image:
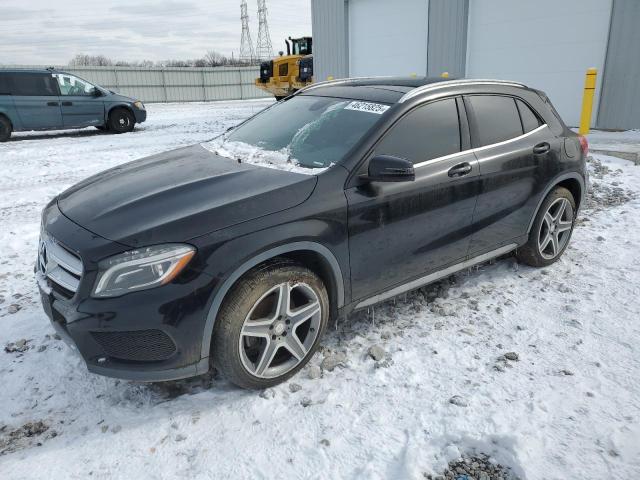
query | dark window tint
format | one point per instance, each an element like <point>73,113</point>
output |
<point>33,84</point>
<point>529,119</point>
<point>5,86</point>
<point>427,132</point>
<point>496,119</point>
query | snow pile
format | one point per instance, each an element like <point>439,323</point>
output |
<point>533,369</point>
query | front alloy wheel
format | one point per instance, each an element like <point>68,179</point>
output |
<point>280,330</point>
<point>270,324</point>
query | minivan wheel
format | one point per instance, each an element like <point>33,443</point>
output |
<point>270,325</point>
<point>551,230</point>
<point>121,120</point>
<point>5,129</point>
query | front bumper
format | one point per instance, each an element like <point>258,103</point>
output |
<point>150,335</point>
<point>141,115</point>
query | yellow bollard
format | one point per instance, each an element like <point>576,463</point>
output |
<point>445,75</point>
<point>587,100</point>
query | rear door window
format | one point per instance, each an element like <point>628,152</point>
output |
<point>530,120</point>
<point>34,85</point>
<point>427,132</point>
<point>496,119</point>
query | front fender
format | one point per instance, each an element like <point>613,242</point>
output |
<point>259,258</point>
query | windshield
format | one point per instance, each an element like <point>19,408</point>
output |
<point>303,133</point>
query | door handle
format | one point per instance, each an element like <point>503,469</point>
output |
<point>67,104</point>
<point>52,104</point>
<point>460,170</point>
<point>541,148</point>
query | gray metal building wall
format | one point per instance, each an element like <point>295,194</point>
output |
<point>447,37</point>
<point>173,84</point>
<point>620,97</point>
<point>329,20</point>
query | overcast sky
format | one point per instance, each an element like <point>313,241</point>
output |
<point>49,32</point>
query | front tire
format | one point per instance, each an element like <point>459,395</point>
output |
<point>551,230</point>
<point>270,325</point>
<point>5,129</point>
<point>121,120</point>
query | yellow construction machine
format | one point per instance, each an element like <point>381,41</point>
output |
<point>285,74</point>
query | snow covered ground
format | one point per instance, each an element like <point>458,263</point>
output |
<point>565,406</point>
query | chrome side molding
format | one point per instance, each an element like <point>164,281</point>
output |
<point>432,277</point>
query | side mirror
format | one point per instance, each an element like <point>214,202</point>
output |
<point>386,168</point>
<point>95,92</point>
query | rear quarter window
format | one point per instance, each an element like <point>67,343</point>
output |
<point>530,120</point>
<point>495,119</point>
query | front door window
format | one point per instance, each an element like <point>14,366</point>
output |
<point>70,85</point>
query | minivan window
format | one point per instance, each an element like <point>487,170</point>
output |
<point>33,85</point>
<point>427,132</point>
<point>530,120</point>
<point>5,88</point>
<point>71,85</point>
<point>496,119</point>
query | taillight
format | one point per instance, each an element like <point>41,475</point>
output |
<point>584,144</point>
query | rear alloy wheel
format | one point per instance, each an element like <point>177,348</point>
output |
<point>551,230</point>
<point>5,129</point>
<point>270,325</point>
<point>121,120</point>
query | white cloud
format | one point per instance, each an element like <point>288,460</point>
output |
<point>45,32</point>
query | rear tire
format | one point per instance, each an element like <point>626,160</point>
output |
<point>551,230</point>
<point>5,129</point>
<point>121,120</point>
<point>270,324</point>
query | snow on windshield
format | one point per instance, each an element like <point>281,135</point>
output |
<point>253,155</point>
<point>283,159</point>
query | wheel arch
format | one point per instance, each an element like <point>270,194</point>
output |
<point>5,115</point>
<point>315,256</point>
<point>116,106</point>
<point>573,182</point>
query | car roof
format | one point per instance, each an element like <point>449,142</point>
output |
<point>390,89</point>
<point>29,70</point>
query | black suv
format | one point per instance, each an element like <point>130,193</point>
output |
<point>236,253</point>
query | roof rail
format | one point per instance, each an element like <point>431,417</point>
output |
<point>452,83</point>
<point>338,81</point>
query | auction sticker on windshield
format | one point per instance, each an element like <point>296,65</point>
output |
<point>369,107</point>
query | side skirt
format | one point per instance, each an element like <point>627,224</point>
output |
<point>432,277</point>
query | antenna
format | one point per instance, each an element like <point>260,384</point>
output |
<point>246,45</point>
<point>264,49</point>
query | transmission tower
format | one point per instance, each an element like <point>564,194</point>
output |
<point>246,45</point>
<point>264,49</point>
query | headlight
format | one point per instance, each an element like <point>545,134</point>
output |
<point>141,269</point>
<point>139,105</point>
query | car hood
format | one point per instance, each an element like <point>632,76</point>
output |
<point>178,195</point>
<point>116,97</point>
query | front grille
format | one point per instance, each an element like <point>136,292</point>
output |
<point>60,265</point>
<point>140,345</point>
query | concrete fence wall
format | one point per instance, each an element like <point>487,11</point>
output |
<point>171,84</point>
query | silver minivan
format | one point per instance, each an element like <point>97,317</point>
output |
<point>56,100</point>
